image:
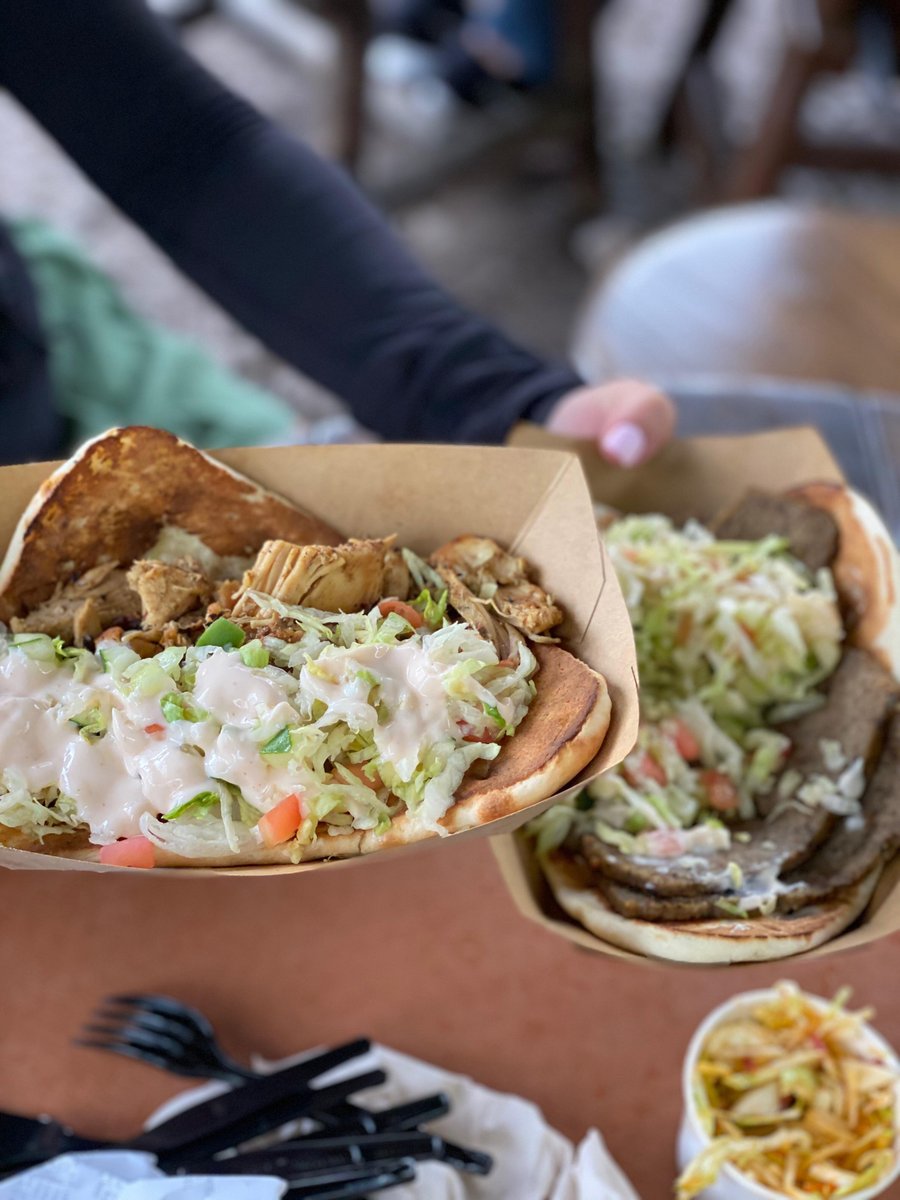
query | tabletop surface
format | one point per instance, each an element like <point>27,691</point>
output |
<point>423,951</point>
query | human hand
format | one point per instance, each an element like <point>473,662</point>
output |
<point>628,419</point>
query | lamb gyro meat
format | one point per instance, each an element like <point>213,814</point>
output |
<point>860,697</point>
<point>858,843</point>
<point>811,532</point>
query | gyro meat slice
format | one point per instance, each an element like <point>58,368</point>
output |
<point>500,580</point>
<point>345,578</point>
<point>82,608</point>
<point>811,532</point>
<point>168,590</point>
<point>861,695</point>
<point>855,846</point>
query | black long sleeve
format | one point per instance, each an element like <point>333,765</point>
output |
<point>276,235</point>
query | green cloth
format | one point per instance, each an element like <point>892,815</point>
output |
<point>110,367</point>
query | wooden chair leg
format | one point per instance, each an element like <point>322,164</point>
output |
<point>354,27</point>
<point>576,88</point>
<point>717,12</point>
<point>756,169</point>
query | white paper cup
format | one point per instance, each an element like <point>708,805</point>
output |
<point>733,1184</point>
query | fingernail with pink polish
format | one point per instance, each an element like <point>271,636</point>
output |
<point>625,444</point>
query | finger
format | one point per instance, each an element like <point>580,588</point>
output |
<point>630,420</point>
<point>639,420</point>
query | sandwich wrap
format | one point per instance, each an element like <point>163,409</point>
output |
<point>137,506</point>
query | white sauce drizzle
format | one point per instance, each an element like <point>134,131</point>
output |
<point>137,768</point>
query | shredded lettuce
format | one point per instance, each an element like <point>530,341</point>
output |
<point>198,803</point>
<point>91,723</point>
<point>178,706</point>
<point>279,744</point>
<point>732,637</point>
<point>323,718</point>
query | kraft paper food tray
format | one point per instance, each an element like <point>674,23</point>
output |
<point>535,502</point>
<point>693,477</point>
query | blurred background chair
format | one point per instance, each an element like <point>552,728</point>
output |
<point>822,37</point>
<point>762,289</point>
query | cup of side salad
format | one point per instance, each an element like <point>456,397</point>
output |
<point>788,1095</point>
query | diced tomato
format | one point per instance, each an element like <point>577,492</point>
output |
<point>469,735</point>
<point>280,823</point>
<point>360,774</point>
<point>664,843</point>
<point>646,767</point>
<point>403,609</point>
<point>683,738</point>
<point>721,794</point>
<point>129,852</point>
<point>154,728</point>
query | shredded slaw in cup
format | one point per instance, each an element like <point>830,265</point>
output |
<point>817,1070</point>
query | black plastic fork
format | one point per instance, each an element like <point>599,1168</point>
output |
<point>173,1036</point>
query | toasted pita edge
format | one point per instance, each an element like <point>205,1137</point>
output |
<point>78,516</point>
<point>562,732</point>
<point>866,571</point>
<point>707,943</point>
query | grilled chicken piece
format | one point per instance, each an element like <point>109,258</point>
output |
<point>84,607</point>
<point>344,578</point>
<point>499,579</point>
<point>476,613</point>
<point>397,581</point>
<point>168,590</point>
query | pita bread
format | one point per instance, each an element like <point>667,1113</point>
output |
<point>866,571</point>
<point>109,503</point>
<point>111,500</point>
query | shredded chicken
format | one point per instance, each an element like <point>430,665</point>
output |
<point>83,608</point>
<point>499,580</point>
<point>343,578</point>
<point>476,613</point>
<point>168,590</point>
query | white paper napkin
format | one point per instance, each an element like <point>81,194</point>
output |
<point>532,1161</point>
<point>127,1175</point>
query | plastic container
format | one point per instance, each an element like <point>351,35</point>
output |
<point>733,1184</point>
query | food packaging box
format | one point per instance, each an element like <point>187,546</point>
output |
<point>693,477</point>
<point>534,502</point>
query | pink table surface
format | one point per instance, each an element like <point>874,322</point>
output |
<point>424,952</point>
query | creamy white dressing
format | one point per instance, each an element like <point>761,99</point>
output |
<point>236,694</point>
<point>48,751</point>
<point>262,783</point>
<point>143,766</point>
<point>411,689</point>
<point>112,780</point>
<point>23,676</point>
